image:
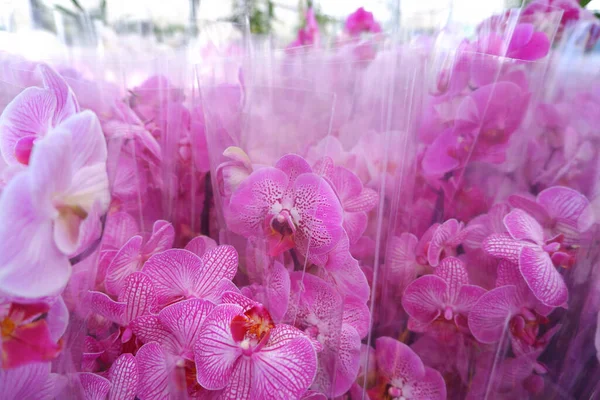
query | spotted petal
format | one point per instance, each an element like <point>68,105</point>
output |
<point>397,361</point>
<point>454,273</point>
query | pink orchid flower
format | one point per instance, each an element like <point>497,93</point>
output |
<point>444,241</point>
<point>98,354</point>
<point>178,274</point>
<point>403,374</point>
<point>355,200</point>
<point>526,246</point>
<point>138,297</point>
<point>336,323</point>
<point>57,203</point>
<point>523,43</point>
<point>557,209</point>
<point>361,21</point>
<point>309,34</point>
<point>132,256</point>
<point>407,256</point>
<point>442,300</point>
<point>510,307</point>
<point>169,339</point>
<point>123,382</point>
<point>262,361</point>
<point>289,206</point>
<point>33,114</point>
<point>485,121</point>
<point>31,382</point>
<point>30,333</point>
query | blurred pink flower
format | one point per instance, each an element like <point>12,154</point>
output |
<point>361,21</point>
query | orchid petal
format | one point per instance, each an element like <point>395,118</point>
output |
<point>503,246</point>
<point>139,295</point>
<point>95,387</point>
<point>89,144</point>
<point>126,261</point>
<point>123,375</point>
<point>24,382</point>
<point>424,298</point>
<point>397,361</point>
<point>103,305</point>
<point>200,244</point>
<point>442,237</point>
<point>521,225</point>
<point>346,272</point>
<point>161,239</point>
<point>489,317</point>
<point>542,277</point>
<point>219,263</point>
<point>66,103</point>
<point>154,373</point>
<point>453,272</point>
<point>355,224</point>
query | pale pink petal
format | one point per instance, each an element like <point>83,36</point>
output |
<point>293,165</point>
<point>112,310</point>
<point>320,215</point>
<point>431,386</point>
<point>58,319</point>
<point>346,273</point>
<point>216,352</point>
<point>218,263</point>
<point>23,382</point>
<point>123,375</point>
<point>489,317</point>
<point>174,274</point>
<point>453,271</point>
<point>542,277</point>
<point>401,258</point>
<point>32,265</point>
<point>347,185</point>
<point>278,291</point>
<point>365,202</point>
<point>154,373</point>
<point>424,298</point>
<point>437,159</point>
<point>119,228</point>
<point>184,319</point>
<point>66,103</point>
<point>563,202</point>
<point>126,261</point>
<point>442,237</point>
<point>521,225</point>
<point>200,244</point>
<point>503,246</point>
<point>357,315</point>
<point>28,114</point>
<point>162,237</point>
<point>284,368</point>
<point>396,360</point>
<point>148,328</point>
<point>530,206</point>
<point>89,144</point>
<point>94,386</point>
<point>139,295</point>
<point>252,201</point>
<point>346,363</point>
<point>355,224</point>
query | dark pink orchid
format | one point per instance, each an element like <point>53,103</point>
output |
<point>30,333</point>
<point>169,339</point>
<point>265,363</point>
<point>122,383</point>
<point>30,382</point>
<point>337,323</point>
<point>178,274</point>
<point>132,256</point>
<point>138,297</point>
<point>510,308</point>
<point>56,203</point>
<point>522,42</point>
<point>309,34</point>
<point>557,209</point>
<point>484,123</point>
<point>442,300</point>
<point>361,21</point>
<point>403,375</point>
<point>33,114</point>
<point>289,206</point>
<point>526,245</point>
<point>356,200</point>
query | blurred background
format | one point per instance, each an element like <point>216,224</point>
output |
<point>174,22</point>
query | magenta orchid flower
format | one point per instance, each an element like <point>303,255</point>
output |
<point>337,323</point>
<point>355,200</point>
<point>407,256</point>
<point>33,114</point>
<point>443,299</point>
<point>524,43</point>
<point>169,339</point>
<point>57,203</point>
<point>289,206</point>
<point>526,246</point>
<point>404,374</point>
<point>444,241</point>
<point>132,256</point>
<point>361,21</point>
<point>309,34</point>
<point>138,297</point>
<point>178,274</point>
<point>510,307</point>
<point>31,382</point>
<point>122,383</point>
<point>262,361</point>
<point>30,333</point>
<point>484,123</point>
<point>557,209</point>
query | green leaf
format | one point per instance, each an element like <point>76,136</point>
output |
<point>584,3</point>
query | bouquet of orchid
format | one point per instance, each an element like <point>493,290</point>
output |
<point>379,219</point>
